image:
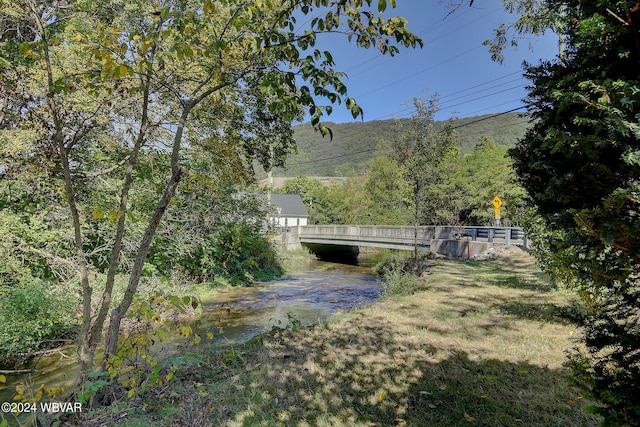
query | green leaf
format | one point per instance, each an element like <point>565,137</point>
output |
<point>97,213</point>
<point>207,7</point>
<point>350,103</point>
<point>382,5</point>
<point>325,131</point>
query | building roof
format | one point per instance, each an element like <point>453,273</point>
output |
<point>290,205</point>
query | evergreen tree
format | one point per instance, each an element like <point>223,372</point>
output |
<point>580,164</point>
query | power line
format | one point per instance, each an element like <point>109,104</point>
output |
<point>487,118</point>
<point>418,73</point>
<point>428,41</point>
<point>334,157</point>
<point>482,84</point>
<point>481,90</point>
<point>492,107</point>
<point>453,128</point>
<point>483,97</point>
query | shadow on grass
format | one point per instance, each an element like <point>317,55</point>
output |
<point>517,282</point>
<point>371,377</point>
<point>369,371</point>
<point>368,375</point>
<point>544,311</point>
<point>533,296</point>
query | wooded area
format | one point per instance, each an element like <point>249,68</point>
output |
<point>354,144</point>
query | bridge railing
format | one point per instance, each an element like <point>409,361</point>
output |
<point>504,235</point>
<point>393,236</point>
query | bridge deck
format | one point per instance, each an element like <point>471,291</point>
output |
<point>399,237</point>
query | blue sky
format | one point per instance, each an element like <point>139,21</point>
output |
<point>452,63</point>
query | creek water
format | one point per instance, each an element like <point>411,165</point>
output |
<point>238,314</point>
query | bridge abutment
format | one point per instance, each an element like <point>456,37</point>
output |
<point>459,248</point>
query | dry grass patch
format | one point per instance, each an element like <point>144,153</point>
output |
<point>482,345</point>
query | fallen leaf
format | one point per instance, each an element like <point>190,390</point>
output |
<point>483,396</point>
<point>469,418</point>
<point>382,395</point>
<point>443,387</point>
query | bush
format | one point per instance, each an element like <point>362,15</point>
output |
<point>399,282</point>
<point>239,253</point>
<point>400,277</point>
<point>29,314</point>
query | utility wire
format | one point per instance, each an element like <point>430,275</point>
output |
<point>482,97</point>
<point>487,118</point>
<point>334,157</point>
<point>376,149</point>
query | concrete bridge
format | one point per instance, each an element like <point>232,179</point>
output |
<point>454,241</point>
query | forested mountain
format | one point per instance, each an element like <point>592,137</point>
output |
<point>355,143</point>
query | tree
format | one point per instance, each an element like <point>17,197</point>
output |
<point>487,172</point>
<point>95,86</point>
<point>580,164</point>
<point>426,154</point>
<point>307,188</point>
<point>383,192</point>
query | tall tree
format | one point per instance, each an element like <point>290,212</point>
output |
<point>425,152</point>
<point>101,83</point>
<point>580,164</point>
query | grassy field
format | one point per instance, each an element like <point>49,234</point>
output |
<point>481,344</point>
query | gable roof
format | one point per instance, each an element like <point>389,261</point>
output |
<point>290,205</point>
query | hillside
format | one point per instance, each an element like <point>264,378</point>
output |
<point>355,143</point>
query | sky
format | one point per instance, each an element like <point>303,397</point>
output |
<point>453,64</point>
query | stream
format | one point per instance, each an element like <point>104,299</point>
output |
<point>238,314</point>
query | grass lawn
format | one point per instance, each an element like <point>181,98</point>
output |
<point>482,344</point>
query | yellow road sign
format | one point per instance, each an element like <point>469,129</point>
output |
<point>496,202</point>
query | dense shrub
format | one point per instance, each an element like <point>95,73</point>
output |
<point>31,313</point>
<point>400,275</point>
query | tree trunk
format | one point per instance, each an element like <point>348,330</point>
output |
<point>415,226</point>
<point>98,323</point>
<point>111,341</point>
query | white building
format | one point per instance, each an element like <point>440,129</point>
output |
<point>287,210</point>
